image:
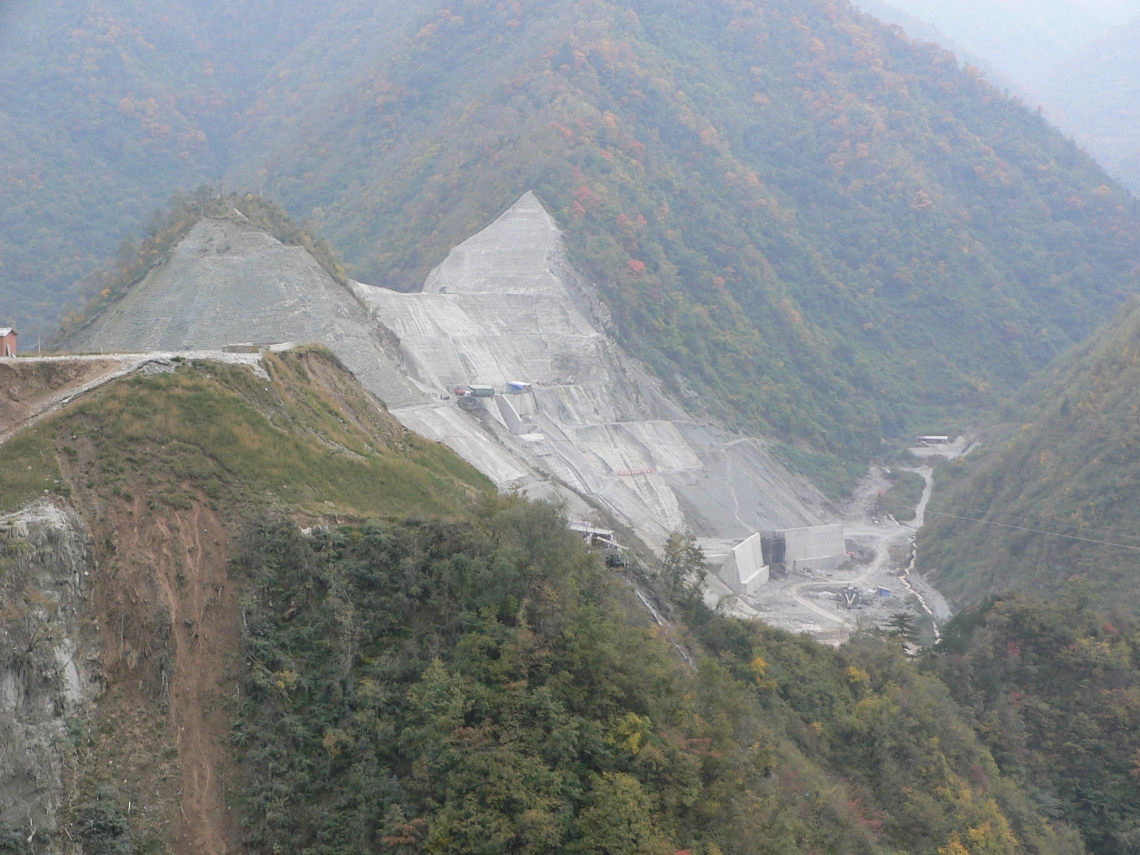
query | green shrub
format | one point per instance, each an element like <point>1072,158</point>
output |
<point>12,842</point>
<point>103,827</point>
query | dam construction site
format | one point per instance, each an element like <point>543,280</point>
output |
<point>505,356</point>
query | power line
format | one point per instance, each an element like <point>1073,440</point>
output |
<point>1038,531</point>
<point>1059,521</point>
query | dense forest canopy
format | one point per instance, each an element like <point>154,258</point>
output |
<point>1056,495</point>
<point>490,687</point>
<point>824,231</point>
<point>1053,689</point>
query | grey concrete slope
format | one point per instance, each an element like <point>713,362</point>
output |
<point>505,306</point>
<point>228,283</point>
<point>596,428</point>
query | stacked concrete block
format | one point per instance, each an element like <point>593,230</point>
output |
<point>740,565</point>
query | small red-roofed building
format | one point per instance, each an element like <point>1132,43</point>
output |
<point>7,341</point>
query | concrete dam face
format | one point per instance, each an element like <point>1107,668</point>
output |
<point>559,410</point>
<point>587,422</point>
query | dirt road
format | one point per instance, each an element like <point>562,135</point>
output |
<point>807,601</point>
<point>38,386</point>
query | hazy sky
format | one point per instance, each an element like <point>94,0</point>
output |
<point>1109,11</point>
<point>1022,40</point>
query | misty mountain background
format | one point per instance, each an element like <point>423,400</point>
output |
<point>1080,61</point>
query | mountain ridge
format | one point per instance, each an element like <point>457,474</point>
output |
<point>898,242</point>
<point>1054,494</point>
<point>581,150</point>
<point>593,428</point>
<point>1093,94</point>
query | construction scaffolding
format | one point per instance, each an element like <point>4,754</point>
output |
<point>602,540</point>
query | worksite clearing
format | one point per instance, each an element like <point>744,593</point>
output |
<point>875,583</point>
<point>504,357</point>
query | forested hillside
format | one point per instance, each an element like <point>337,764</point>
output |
<point>1095,94</point>
<point>1059,495</point>
<point>830,230</point>
<point>814,227</point>
<point>161,474</point>
<point>453,671</point>
<point>490,687</point>
<point>106,108</point>
<point>1053,688</point>
<point>1077,60</point>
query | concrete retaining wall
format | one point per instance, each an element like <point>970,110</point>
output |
<point>819,547</point>
<point>510,417</point>
<point>741,567</point>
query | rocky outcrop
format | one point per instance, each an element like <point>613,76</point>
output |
<point>48,667</point>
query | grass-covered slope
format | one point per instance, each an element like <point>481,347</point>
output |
<point>492,688</point>
<point>308,439</point>
<point>828,231</point>
<point>167,472</point>
<point>1060,495</point>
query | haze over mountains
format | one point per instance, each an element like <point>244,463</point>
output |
<point>828,233</point>
<point>245,606</point>
<point>1094,94</point>
<point>1021,39</point>
<point>1078,60</point>
<point>1056,494</point>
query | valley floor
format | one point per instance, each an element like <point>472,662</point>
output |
<point>801,601</point>
<point>881,570</point>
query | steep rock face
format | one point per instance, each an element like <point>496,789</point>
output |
<point>506,305</point>
<point>230,283</point>
<point>48,666</point>
<point>167,469</point>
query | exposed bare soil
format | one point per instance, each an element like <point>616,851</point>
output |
<point>168,620</point>
<point>168,623</point>
<point>160,600</point>
<point>28,386</point>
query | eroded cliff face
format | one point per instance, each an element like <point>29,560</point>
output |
<point>49,669</point>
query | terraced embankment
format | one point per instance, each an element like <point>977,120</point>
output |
<point>507,305</point>
<point>229,283</point>
<point>595,429</point>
